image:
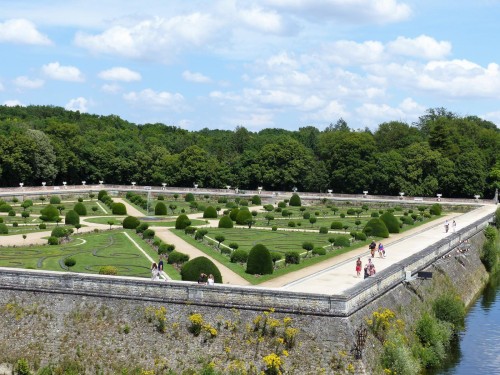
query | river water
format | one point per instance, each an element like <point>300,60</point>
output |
<point>477,350</point>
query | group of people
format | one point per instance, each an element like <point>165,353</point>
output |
<point>381,250</point>
<point>206,280</point>
<point>157,269</point>
<point>369,269</point>
<point>447,226</point>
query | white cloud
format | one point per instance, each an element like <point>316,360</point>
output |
<point>13,103</point>
<point>422,46</point>
<point>77,104</point>
<point>493,117</point>
<point>254,121</point>
<point>156,100</point>
<point>371,114</point>
<point>346,52</point>
<point>331,112</point>
<point>26,83</point>
<point>282,60</point>
<point>112,88</point>
<point>119,73</point>
<point>348,11</point>
<point>265,21</point>
<point>195,77</point>
<point>62,73</point>
<point>152,39</point>
<point>22,31</point>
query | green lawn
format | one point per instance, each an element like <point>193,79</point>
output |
<point>152,223</point>
<point>91,252</point>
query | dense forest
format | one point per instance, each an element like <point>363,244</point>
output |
<point>440,153</point>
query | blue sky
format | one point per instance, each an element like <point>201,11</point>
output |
<point>258,64</point>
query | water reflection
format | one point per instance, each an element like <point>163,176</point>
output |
<point>476,351</point>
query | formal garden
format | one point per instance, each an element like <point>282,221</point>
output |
<point>256,240</point>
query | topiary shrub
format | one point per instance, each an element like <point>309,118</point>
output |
<point>275,256</point>
<point>390,222</point>
<point>336,225</point>
<point>69,262</point>
<point>256,200</point>
<point>141,227</point>
<point>160,198</point>
<point>108,270</point>
<point>4,207</point>
<point>189,197</point>
<point>4,229</point>
<point>342,241</point>
<point>360,236</point>
<point>306,215</point>
<point>160,208</point>
<point>292,257</point>
<point>12,213</point>
<point>148,234</point>
<point>55,199</point>
<point>130,222</point>
<point>243,217</point>
<point>436,209</point>
<point>72,218</point>
<point>239,256</point>
<point>53,240</point>
<point>244,202</point>
<point>102,194</point>
<point>42,226</point>
<point>15,224</point>
<point>225,222</point>
<point>259,261</point>
<point>376,227</point>
<point>295,201</point>
<point>49,213</point>
<point>319,251</point>
<point>281,205</point>
<point>233,213</point>
<point>274,228</point>
<point>80,209</point>
<point>176,257</point>
<point>1,219</point>
<point>291,224</point>
<point>182,222</point>
<point>191,270</point>
<point>210,213</point>
<point>59,232</point>
<point>374,214</point>
<point>166,248</point>
<point>323,230</point>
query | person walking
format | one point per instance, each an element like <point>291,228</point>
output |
<point>155,275</point>
<point>454,226</point>
<point>372,248</point>
<point>371,268</point>
<point>359,265</point>
<point>446,226</point>
<point>381,250</point>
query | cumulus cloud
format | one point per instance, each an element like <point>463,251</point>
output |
<point>195,77</point>
<point>333,110</point>
<point>112,88</point>
<point>422,46</point>
<point>156,100</point>
<point>26,83</point>
<point>408,110</point>
<point>352,11</point>
<point>22,31</point>
<point>77,104</point>
<point>155,38</point>
<point>346,52</point>
<point>493,117</point>
<point>262,20</point>
<point>62,73</point>
<point>13,103</point>
<point>119,73</point>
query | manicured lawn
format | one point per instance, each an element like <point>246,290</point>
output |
<point>91,252</point>
<point>152,223</point>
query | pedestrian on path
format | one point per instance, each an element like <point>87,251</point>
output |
<point>446,226</point>
<point>454,226</point>
<point>210,280</point>
<point>371,268</point>
<point>381,250</point>
<point>359,265</point>
<point>155,275</point>
<point>160,264</point>
<point>372,247</point>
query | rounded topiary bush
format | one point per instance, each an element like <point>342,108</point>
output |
<point>189,197</point>
<point>59,232</point>
<point>4,207</point>
<point>55,199</point>
<point>336,225</point>
<point>243,217</point>
<point>69,262</point>
<point>234,213</point>
<point>376,227</point>
<point>210,213</point>
<point>12,213</point>
<point>108,270</point>
<point>390,222</point>
<point>342,241</point>
<point>141,227</point>
<point>148,234</point>
<point>259,261</point>
<point>319,251</point>
<point>176,257</point>
<point>360,236</point>
<point>292,257</point>
<point>4,229</point>
<point>118,209</point>
<point>102,194</point>
<point>191,270</point>
<point>436,209</point>
<point>323,230</point>
<point>256,200</point>
<point>42,226</point>
<point>72,218</point>
<point>239,256</point>
<point>295,201</point>
<point>130,222</point>
<point>53,240</point>
<point>80,209</point>
<point>160,208</point>
<point>49,213</point>
<point>182,222</point>
<point>225,222</point>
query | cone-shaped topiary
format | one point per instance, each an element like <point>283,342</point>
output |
<point>225,222</point>
<point>243,217</point>
<point>131,222</point>
<point>80,209</point>
<point>295,201</point>
<point>210,213</point>
<point>191,270</point>
<point>259,261</point>
<point>376,228</point>
<point>119,209</point>
<point>160,208</point>
<point>182,222</point>
<point>72,218</point>
<point>390,222</point>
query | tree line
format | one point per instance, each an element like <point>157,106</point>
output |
<point>440,153</point>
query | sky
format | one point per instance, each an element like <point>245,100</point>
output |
<point>260,64</point>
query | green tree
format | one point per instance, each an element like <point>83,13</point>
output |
<point>259,261</point>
